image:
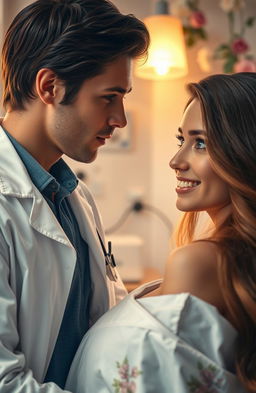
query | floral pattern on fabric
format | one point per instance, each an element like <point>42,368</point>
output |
<point>126,383</point>
<point>207,382</point>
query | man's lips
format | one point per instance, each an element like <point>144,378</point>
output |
<point>104,136</point>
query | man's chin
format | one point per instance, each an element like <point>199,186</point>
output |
<point>91,158</point>
<point>86,159</point>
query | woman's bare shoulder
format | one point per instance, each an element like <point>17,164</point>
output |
<point>193,268</point>
<point>201,255</point>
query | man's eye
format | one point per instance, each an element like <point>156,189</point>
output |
<point>200,144</point>
<point>110,98</point>
<point>180,140</point>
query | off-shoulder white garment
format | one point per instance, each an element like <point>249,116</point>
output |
<point>163,344</point>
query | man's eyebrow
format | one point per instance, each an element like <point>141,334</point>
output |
<point>118,89</point>
<point>193,132</point>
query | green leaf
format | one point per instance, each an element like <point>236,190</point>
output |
<point>190,40</point>
<point>186,29</point>
<point>228,67</point>
<point>116,385</point>
<point>212,368</point>
<point>231,16</point>
<point>202,33</point>
<point>222,47</point>
<point>250,21</point>
<point>222,52</point>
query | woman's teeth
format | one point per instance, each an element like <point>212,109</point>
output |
<point>186,184</point>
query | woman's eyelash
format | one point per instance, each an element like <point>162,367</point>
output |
<point>180,140</point>
<point>199,143</point>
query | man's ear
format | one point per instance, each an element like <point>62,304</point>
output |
<point>48,87</point>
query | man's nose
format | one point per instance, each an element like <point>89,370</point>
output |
<point>117,118</point>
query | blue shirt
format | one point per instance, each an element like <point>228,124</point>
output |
<point>55,186</point>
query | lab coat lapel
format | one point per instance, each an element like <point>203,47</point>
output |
<point>88,228</point>
<point>99,283</point>
<point>43,220</point>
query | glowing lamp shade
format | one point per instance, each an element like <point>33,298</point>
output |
<point>167,54</point>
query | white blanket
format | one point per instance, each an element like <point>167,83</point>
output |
<point>163,344</point>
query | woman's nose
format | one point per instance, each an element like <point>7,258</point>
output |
<point>179,162</point>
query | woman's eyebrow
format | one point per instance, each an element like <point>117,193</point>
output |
<point>193,132</point>
<point>197,132</point>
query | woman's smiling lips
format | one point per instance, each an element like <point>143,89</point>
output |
<point>186,185</point>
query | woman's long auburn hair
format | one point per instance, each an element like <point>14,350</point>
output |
<point>228,105</point>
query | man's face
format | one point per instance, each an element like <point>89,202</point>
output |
<point>80,128</point>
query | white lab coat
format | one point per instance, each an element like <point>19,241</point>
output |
<point>161,344</point>
<point>37,263</point>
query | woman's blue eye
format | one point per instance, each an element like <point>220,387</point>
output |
<point>200,144</point>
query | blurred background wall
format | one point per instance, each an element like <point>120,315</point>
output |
<point>141,170</point>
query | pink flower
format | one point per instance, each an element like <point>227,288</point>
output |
<point>239,45</point>
<point>197,19</point>
<point>124,387</point>
<point>245,65</point>
<point>124,371</point>
<point>207,376</point>
<point>135,372</point>
<point>128,387</point>
<point>132,386</point>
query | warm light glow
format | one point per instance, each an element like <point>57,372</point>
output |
<point>167,53</point>
<point>162,68</point>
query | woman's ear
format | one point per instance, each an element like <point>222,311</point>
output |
<point>48,86</point>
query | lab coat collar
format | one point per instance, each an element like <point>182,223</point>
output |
<point>15,182</point>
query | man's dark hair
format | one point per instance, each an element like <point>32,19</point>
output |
<point>76,39</point>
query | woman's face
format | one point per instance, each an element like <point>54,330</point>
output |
<point>198,186</point>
